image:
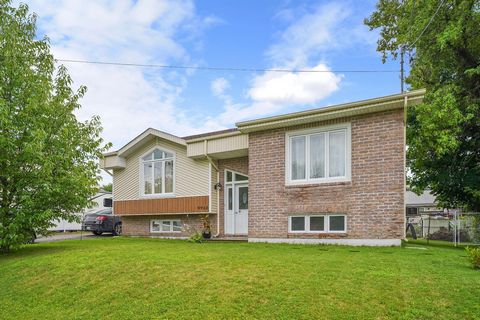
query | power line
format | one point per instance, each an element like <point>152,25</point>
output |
<point>428,24</point>
<point>220,68</point>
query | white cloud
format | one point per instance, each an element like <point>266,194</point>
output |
<point>294,88</point>
<point>219,85</point>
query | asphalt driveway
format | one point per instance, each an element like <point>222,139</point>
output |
<point>69,236</point>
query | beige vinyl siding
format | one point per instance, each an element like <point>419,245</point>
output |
<point>219,145</point>
<point>191,176</point>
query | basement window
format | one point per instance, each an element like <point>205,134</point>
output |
<point>317,224</point>
<point>165,226</point>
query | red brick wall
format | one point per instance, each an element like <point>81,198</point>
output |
<point>373,200</point>
<point>140,225</point>
<point>239,165</point>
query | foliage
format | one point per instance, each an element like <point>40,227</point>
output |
<point>107,187</point>
<point>173,279</point>
<point>447,235</point>
<point>196,237</point>
<point>207,226</point>
<point>443,135</point>
<point>474,256</point>
<point>48,159</point>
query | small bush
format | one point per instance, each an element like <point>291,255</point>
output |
<point>474,256</point>
<point>196,237</point>
<point>447,235</point>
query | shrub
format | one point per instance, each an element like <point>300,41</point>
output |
<point>447,235</point>
<point>196,237</point>
<point>474,256</point>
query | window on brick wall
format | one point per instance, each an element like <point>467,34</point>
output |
<point>317,223</point>
<point>165,226</point>
<point>318,155</point>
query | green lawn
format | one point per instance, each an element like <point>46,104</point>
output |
<point>122,278</point>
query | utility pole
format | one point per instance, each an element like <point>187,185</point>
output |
<point>402,76</point>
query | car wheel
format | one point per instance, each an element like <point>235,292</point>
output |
<point>97,233</point>
<point>117,230</point>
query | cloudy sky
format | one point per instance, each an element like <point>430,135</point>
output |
<point>310,35</point>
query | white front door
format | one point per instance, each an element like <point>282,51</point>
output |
<point>236,203</point>
<point>241,209</point>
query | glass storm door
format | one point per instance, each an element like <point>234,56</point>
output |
<point>241,209</point>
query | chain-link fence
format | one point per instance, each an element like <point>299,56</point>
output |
<point>458,228</point>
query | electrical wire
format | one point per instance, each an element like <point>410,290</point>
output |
<point>220,68</point>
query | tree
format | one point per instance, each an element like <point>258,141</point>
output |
<point>48,159</point>
<point>107,187</point>
<point>442,39</point>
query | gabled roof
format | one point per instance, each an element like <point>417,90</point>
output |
<point>145,136</point>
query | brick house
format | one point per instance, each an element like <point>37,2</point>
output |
<point>327,175</point>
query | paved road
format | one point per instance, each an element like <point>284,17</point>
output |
<point>69,236</point>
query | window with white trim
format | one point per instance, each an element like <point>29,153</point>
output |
<point>157,172</point>
<point>317,223</point>
<point>165,226</point>
<point>319,155</point>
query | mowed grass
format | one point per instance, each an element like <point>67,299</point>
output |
<point>126,278</point>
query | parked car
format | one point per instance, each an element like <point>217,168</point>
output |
<point>101,221</point>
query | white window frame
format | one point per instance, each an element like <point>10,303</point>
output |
<point>142,174</point>
<point>161,222</point>
<point>326,223</point>
<point>308,132</point>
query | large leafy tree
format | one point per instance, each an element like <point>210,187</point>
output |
<point>48,159</point>
<point>442,40</point>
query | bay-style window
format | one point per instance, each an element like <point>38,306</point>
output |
<point>157,173</point>
<point>318,155</point>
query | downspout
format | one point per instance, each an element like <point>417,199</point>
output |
<point>405,104</point>
<point>212,163</point>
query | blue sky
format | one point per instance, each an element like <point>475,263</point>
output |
<point>321,35</point>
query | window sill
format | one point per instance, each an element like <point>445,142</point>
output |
<point>344,182</point>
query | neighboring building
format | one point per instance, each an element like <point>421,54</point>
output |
<point>98,203</point>
<point>328,175</point>
<point>421,204</point>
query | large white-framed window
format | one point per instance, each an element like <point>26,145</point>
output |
<point>159,226</point>
<point>157,173</point>
<point>335,223</point>
<point>318,155</point>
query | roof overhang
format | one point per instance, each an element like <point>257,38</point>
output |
<point>386,103</point>
<point>116,159</point>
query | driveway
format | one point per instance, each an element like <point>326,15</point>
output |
<point>69,236</point>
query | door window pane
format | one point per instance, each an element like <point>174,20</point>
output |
<point>337,152</point>
<point>147,177</point>
<point>317,156</point>
<point>298,158</point>
<point>230,198</point>
<point>243,198</point>
<point>158,174</point>
<point>169,176</point>
<point>317,223</point>
<point>240,177</point>
<point>337,223</point>
<point>229,176</point>
<point>298,223</point>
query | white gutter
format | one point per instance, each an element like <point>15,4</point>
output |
<point>218,191</point>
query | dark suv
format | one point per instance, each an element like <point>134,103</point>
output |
<point>101,221</point>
